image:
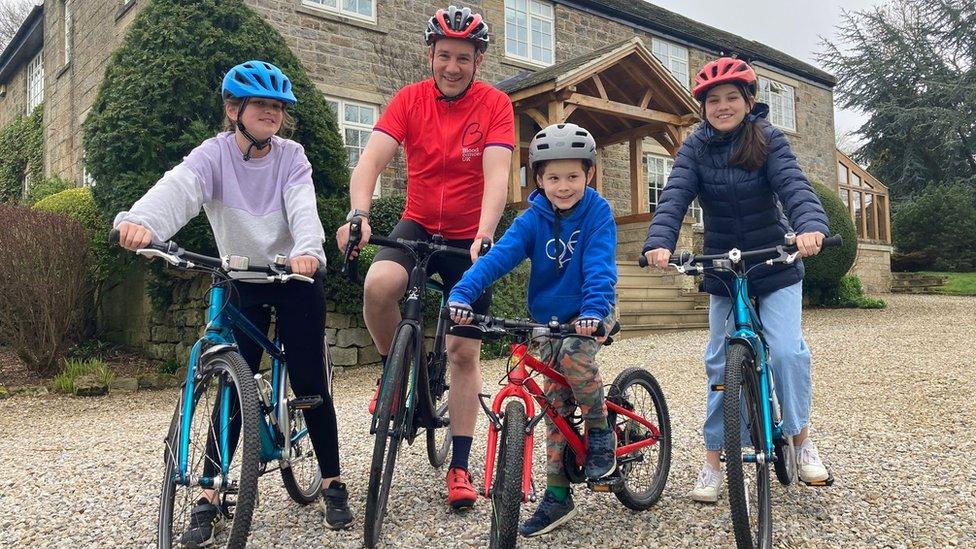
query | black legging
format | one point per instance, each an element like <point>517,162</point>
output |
<point>300,313</point>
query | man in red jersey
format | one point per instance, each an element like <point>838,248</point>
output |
<point>458,135</point>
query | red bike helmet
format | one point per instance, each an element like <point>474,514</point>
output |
<point>459,23</point>
<point>724,70</point>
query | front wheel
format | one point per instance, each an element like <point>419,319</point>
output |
<point>644,472</point>
<point>225,415</point>
<point>439,438</point>
<point>506,492</point>
<point>749,499</point>
<point>391,411</point>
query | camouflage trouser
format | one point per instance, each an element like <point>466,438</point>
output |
<point>576,360</point>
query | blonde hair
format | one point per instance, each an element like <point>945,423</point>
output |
<point>286,130</point>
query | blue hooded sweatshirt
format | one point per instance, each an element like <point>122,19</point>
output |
<point>574,277</point>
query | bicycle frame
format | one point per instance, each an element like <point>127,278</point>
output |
<point>219,337</point>
<point>520,385</point>
<point>746,324</point>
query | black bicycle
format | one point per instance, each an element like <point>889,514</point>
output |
<point>413,392</point>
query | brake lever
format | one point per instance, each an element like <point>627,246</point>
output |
<point>169,258</point>
<point>287,277</point>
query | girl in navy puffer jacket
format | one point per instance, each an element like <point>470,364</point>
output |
<point>746,178</point>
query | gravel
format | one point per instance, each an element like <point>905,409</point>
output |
<point>893,415</point>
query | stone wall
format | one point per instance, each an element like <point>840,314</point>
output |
<point>873,267</point>
<point>14,101</point>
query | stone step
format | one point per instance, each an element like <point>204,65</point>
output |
<point>664,318</point>
<point>682,303</point>
<point>649,292</point>
<point>638,330</point>
<point>642,280</point>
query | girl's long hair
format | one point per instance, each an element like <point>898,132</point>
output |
<point>751,152</point>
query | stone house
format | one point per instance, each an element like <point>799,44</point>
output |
<point>359,52</point>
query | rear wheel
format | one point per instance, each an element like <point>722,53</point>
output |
<point>300,472</point>
<point>391,413</point>
<point>749,498</point>
<point>506,492</point>
<point>643,473</point>
<point>225,384</point>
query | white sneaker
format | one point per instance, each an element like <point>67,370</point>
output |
<point>708,486</point>
<point>808,463</point>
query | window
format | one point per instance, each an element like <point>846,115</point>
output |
<point>780,98</point>
<point>674,58</point>
<point>35,82</point>
<point>360,9</point>
<point>68,24</point>
<point>529,31</point>
<point>658,170</point>
<point>356,122</point>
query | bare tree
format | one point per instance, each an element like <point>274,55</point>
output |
<point>12,15</point>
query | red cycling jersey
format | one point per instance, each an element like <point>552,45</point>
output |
<point>444,142</point>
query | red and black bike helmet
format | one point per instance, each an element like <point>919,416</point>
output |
<point>724,70</point>
<point>459,23</point>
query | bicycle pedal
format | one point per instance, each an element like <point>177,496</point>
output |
<point>829,481</point>
<point>604,485</point>
<point>305,403</point>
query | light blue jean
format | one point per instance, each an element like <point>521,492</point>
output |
<point>789,358</point>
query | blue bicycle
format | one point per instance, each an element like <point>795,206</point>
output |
<point>749,397</point>
<point>202,456</point>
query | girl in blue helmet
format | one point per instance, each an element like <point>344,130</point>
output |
<point>256,189</point>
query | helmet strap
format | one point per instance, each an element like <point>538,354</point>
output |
<point>255,144</point>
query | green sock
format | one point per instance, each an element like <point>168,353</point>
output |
<point>559,492</point>
<point>597,423</point>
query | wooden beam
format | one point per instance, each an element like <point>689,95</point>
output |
<point>568,111</point>
<point>647,98</point>
<point>675,137</point>
<point>514,184</point>
<point>557,113</point>
<point>599,86</point>
<point>622,110</point>
<point>534,90</point>
<point>537,116</point>
<point>638,184</point>
<point>598,178</point>
<point>626,135</point>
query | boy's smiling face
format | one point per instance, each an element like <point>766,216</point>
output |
<point>564,182</point>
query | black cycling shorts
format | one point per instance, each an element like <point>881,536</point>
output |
<point>449,267</point>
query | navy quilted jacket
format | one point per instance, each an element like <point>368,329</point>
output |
<point>742,209</point>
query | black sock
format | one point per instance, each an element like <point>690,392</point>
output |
<point>383,359</point>
<point>462,447</point>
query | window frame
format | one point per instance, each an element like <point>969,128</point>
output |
<point>684,80</point>
<point>767,94</point>
<point>357,126</point>
<point>654,192</point>
<point>339,10</point>
<point>35,82</point>
<point>512,5</point>
<point>867,203</point>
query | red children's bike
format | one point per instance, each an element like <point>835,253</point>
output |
<point>635,408</point>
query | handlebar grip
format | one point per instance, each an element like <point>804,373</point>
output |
<point>350,267</point>
<point>642,261</point>
<point>113,236</point>
<point>485,247</point>
<point>835,240</point>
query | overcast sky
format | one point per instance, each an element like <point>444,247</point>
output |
<point>791,26</point>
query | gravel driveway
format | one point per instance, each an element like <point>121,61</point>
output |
<point>893,417</point>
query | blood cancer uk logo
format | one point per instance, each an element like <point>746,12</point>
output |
<point>471,142</point>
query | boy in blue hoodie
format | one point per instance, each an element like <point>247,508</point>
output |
<point>570,235</point>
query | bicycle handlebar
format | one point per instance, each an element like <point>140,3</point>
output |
<point>173,254</point>
<point>687,260</point>
<point>414,247</point>
<point>501,326</point>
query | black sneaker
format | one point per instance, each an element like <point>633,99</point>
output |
<point>205,518</point>
<point>335,504</point>
<point>601,458</point>
<point>550,514</point>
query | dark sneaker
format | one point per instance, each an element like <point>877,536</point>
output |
<point>335,504</point>
<point>550,514</point>
<point>205,518</point>
<point>601,458</point>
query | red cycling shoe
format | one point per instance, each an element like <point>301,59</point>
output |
<point>460,491</point>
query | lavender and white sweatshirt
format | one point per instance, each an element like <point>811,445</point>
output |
<point>259,208</point>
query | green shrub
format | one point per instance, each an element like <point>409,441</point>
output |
<point>48,187</point>
<point>825,269</point>
<point>78,204</point>
<point>64,382</point>
<point>21,151</point>
<point>935,231</point>
<point>850,295</point>
<point>160,99</point>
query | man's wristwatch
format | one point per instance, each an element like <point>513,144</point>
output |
<point>357,213</point>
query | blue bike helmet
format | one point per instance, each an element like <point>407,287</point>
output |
<point>258,79</point>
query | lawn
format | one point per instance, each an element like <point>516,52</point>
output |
<point>958,283</point>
